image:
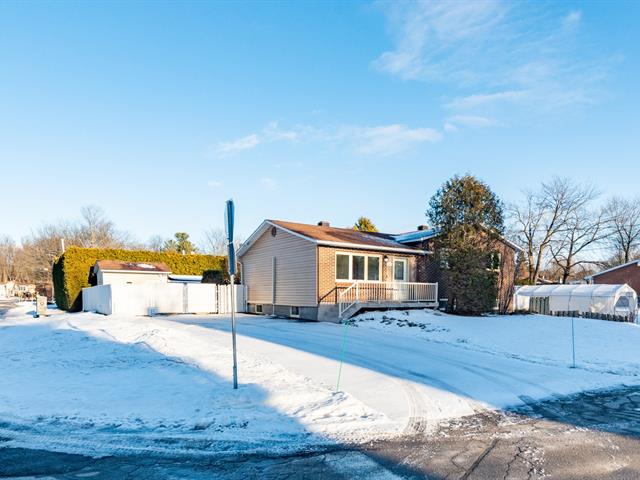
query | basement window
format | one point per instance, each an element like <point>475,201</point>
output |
<point>258,308</point>
<point>295,312</point>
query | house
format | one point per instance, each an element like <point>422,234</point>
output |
<point>628,273</point>
<point>319,272</point>
<point>110,272</point>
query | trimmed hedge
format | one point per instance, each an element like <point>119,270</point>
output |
<point>72,271</point>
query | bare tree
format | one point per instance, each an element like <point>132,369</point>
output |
<point>8,251</point>
<point>215,242</point>
<point>543,216</point>
<point>583,228</point>
<point>156,243</point>
<point>624,228</point>
<point>97,231</point>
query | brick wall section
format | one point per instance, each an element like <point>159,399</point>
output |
<point>428,270</point>
<point>327,285</point>
<point>629,275</point>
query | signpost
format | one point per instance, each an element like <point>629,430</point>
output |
<point>231,261</point>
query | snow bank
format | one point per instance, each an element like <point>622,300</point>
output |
<point>93,384</point>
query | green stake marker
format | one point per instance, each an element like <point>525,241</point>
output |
<point>344,349</point>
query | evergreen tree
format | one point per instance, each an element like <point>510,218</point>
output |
<point>180,243</point>
<point>470,218</point>
<point>365,224</point>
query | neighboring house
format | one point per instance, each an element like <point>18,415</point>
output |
<point>628,273</point>
<point>110,272</point>
<point>6,289</point>
<point>318,272</point>
<point>20,290</point>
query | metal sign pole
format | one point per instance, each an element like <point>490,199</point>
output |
<point>233,331</point>
<point>231,265</point>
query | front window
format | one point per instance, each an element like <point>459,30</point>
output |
<point>373,269</point>
<point>358,267</point>
<point>342,267</point>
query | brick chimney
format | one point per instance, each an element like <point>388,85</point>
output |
<point>323,223</point>
<point>423,227</point>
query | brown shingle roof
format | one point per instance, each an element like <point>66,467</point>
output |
<point>343,235</point>
<point>108,265</point>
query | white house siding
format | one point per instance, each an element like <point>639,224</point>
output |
<point>296,270</point>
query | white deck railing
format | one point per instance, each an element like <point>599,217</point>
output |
<point>386,292</point>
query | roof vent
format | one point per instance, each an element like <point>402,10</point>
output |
<point>324,223</point>
<point>423,227</point>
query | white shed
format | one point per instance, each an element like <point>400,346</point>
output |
<point>597,299</point>
<point>115,272</point>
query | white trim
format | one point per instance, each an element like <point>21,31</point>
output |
<point>614,268</point>
<point>291,314</point>
<point>366,267</point>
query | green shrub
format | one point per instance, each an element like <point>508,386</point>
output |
<point>72,270</point>
<point>215,276</point>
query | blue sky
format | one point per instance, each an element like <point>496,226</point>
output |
<point>159,112</point>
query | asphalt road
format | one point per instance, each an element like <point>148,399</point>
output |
<point>589,436</point>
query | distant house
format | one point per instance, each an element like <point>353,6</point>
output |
<point>110,272</point>
<point>319,272</point>
<point>628,273</point>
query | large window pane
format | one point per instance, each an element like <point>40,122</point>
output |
<point>398,270</point>
<point>357,267</point>
<point>342,267</point>
<point>373,268</point>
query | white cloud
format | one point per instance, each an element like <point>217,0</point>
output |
<point>367,140</point>
<point>239,145</point>
<point>268,183</point>
<point>269,134</point>
<point>389,139</point>
<point>214,183</point>
<point>494,53</point>
<point>481,99</point>
<point>572,19</point>
<point>470,121</point>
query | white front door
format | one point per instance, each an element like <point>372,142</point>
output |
<point>399,277</point>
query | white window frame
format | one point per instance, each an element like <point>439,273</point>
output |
<point>295,315</point>
<point>366,267</point>
<point>406,269</point>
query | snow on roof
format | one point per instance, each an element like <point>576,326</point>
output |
<point>580,290</point>
<point>120,266</point>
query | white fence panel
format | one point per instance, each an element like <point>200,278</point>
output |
<point>224,298</point>
<point>97,299</point>
<point>169,298</point>
<point>202,298</point>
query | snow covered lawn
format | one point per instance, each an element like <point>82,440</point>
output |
<point>600,346</point>
<point>93,384</point>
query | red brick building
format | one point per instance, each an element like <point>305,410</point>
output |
<point>628,273</point>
